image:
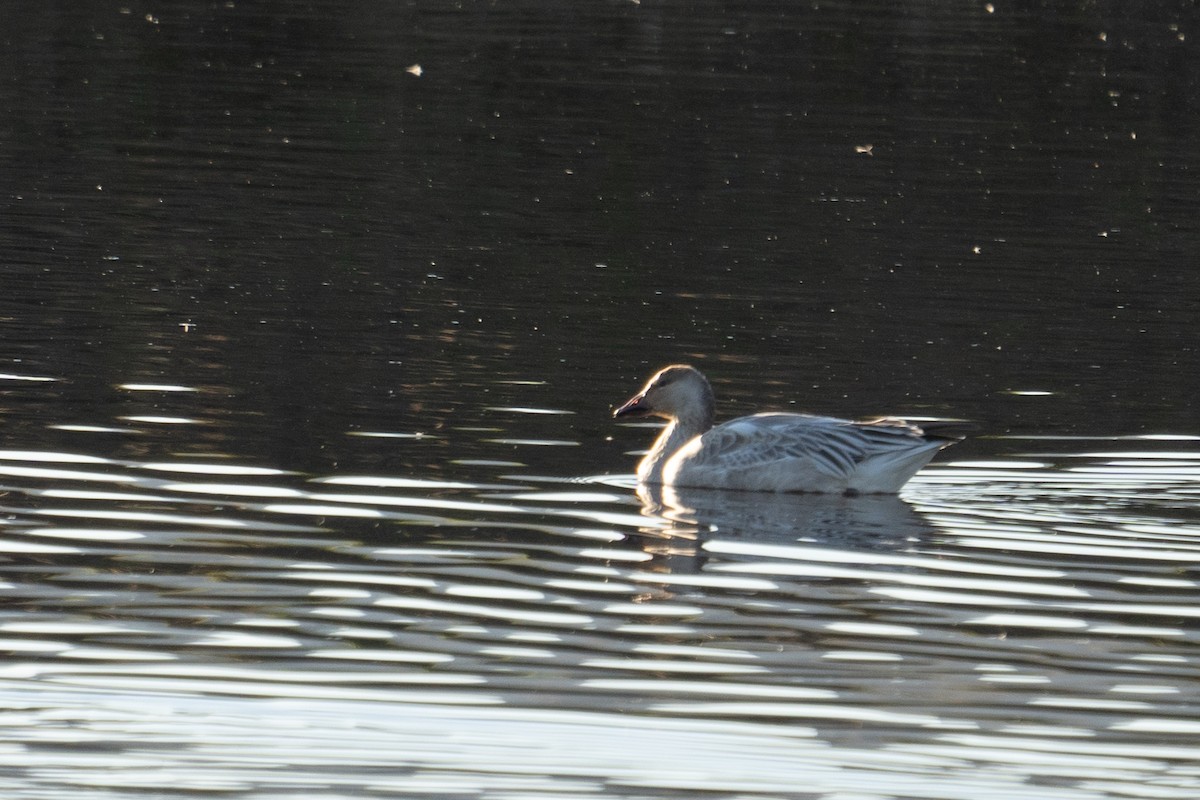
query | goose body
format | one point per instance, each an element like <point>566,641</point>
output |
<point>772,452</point>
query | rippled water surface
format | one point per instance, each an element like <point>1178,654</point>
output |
<point>312,319</point>
<point>1019,627</point>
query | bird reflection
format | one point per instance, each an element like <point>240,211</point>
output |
<point>695,516</point>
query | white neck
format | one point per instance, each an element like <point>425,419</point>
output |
<point>677,433</point>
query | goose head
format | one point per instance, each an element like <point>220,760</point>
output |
<point>677,392</point>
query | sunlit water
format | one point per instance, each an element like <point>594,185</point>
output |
<point>1020,626</point>
<point>312,315</point>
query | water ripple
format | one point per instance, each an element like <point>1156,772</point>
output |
<point>1019,604</point>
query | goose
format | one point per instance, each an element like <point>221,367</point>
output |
<point>773,452</point>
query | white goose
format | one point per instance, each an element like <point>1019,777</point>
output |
<point>772,452</point>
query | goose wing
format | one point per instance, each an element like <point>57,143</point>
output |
<point>834,447</point>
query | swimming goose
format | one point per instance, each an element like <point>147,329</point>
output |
<point>772,452</point>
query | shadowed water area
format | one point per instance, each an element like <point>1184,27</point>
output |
<point>313,316</point>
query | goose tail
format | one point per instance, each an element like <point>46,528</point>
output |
<point>947,431</point>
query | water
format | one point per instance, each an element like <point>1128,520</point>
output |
<point>309,486</point>
<point>1011,628</point>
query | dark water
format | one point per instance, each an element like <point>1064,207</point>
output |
<point>306,362</point>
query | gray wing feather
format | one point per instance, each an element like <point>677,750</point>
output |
<point>835,447</point>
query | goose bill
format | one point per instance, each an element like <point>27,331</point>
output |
<point>634,408</point>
